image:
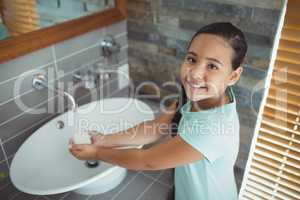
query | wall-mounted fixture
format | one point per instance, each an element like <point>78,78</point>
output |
<point>110,46</point>
<point>39,82</point>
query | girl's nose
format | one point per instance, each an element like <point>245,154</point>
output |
<point>197,73</point>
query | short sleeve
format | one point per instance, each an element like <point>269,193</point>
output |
<point>210,142</point>
<point>211,147</point>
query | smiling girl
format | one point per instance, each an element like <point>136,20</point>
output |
<point>205,148</point>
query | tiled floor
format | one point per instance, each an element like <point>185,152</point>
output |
<point>138,185</point>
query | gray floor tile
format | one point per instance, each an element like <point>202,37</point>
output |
<point>157,191</point>
<point>167,177</point>
<point>75,196</point>
<point>56,196</point>
<point>135,188</point>
<point>23,196</point>
<point>131,177</point>
<point>154,174</point>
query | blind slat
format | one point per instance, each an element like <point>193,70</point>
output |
<point>290,34</point>
<point>277,171</point>
<point>276,164</point>
<point>291,68</point>
<point>276,156</point>
<point>278,141</point>
<point>290,89</point>
<point>289,46</point>
<point>277,96</point>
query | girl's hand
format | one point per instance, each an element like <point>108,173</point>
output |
<point>84,151</point>
<point>97,138</point>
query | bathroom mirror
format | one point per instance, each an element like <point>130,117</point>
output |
<point>40,23</point>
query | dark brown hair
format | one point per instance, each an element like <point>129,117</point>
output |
<point>234,36</point>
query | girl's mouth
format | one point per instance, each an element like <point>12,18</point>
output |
<point>195,86</point>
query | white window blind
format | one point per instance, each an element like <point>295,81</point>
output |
<point>273,167</point>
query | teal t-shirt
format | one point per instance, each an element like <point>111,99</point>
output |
<point>215,134</point>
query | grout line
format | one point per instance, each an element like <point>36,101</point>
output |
<point>22,94</point>
<point>56,68</point>
<point>65,57</point>
<point>38,68</point>
<point>146,189</point>
<point>17,116</point>
<point>26,129</point>
<point>8,157</point>
<point>149,186</point>
<point>125,186</point>
<point>86,48</point>
<point>26,92</point>
<point>120,35</point>
<point>79,68</point>
<point>157,180</point>
<point>77,52</point>
<point>15,97</point>
<point>4,153</point>
<point>28,110</point>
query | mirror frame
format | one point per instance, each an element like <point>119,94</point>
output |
<point>13,47</point>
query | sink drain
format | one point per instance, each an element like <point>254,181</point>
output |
<point>92,163</point>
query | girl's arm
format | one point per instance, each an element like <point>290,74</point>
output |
<point>169,154</point>
<point>143,133</point>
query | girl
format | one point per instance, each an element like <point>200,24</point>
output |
<point>205,148</point>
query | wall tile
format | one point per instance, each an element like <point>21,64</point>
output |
<point>76,44</point>
<point>122,40</point>
<point>117,28</point>
<point>23,83</point>
<point>29,101</point>
<point>265,15</point>
<point>26,120</point>
<point>11,146</point>
<point>219,7</point>
<point>176,3</point>
<point>22,64</point>
<point>85,58</point>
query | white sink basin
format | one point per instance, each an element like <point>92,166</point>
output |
<point>44,166</point>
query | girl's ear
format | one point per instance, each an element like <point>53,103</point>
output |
<point>235,76</point>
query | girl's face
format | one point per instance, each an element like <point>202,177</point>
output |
<point>207,71</point>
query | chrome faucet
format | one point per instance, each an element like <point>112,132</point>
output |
<point>39,82</point>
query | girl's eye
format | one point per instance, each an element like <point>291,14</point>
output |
<point>190,60</point>
<point>212,66</point>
